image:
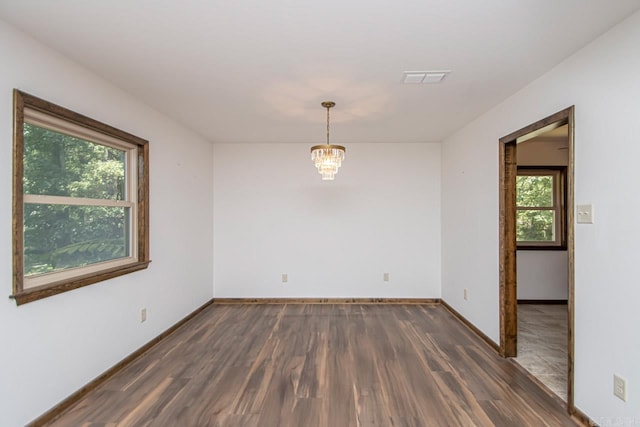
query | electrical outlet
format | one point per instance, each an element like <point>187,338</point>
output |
<point>285,277</point>
<point>466,294</point>
<point>385,277</point>
<point>143,315</point>
<point>620,388</point>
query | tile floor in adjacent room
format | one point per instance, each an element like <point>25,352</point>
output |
<point>542,344</point>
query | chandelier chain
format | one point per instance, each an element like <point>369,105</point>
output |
<point>328,125</point>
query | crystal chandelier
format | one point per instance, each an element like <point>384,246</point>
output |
<point>327,158</point>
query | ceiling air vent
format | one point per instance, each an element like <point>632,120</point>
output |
<point>424,77</point>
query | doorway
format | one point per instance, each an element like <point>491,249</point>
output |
<point>508,149</point>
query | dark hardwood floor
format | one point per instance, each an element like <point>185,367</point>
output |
<point>320,365</point>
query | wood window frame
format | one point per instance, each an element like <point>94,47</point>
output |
<point>140,261</point>
<point>559,207</point>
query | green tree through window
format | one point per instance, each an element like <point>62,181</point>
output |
<point>539,207</point>
<point>80,200</point>
<point>58,236</point>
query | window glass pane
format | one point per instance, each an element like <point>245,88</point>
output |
<point>58,237</point>
<point>534,190</point>
<point>56,164</point>
<point>535,225</point>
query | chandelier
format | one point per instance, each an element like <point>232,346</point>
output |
<point>327,157</point>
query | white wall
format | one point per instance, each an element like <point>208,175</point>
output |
<point>602,81</point>
<point>52,347</point>
<point>273,214</point>
<point>542,275</point>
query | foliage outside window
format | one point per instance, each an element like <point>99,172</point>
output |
<point>540,213</point>
<point>80,200</point>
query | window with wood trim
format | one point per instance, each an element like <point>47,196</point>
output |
<point>540,207</point>
<point>80,200</point>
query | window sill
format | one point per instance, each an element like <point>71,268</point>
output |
<point>34,294</point>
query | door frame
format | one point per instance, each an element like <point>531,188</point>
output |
<point>508,248</point>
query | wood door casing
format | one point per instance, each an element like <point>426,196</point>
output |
<point>508,248</point>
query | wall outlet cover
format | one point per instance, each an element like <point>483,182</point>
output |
<point>620,387</point>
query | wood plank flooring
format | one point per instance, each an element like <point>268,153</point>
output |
<point>320,365</point>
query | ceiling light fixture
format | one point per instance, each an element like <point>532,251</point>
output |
<point>327,157</point>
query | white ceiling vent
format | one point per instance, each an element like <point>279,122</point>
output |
<point>424,77</point>
<point>413,77</point>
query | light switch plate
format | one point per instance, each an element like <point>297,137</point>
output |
<point>584,214</point>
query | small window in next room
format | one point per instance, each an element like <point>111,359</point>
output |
<point>540,207</point>
<point>80,200</point>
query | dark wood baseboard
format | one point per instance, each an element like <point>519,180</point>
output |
<point>326,300</point>
<point>471,326</point>
<point>577,415</point>
<point>581,417</point>
<point>540,384</point>
<point>58,409</point>
<point>543,301</point>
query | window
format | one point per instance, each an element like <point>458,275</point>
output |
<point>540,208</point>
<point>540,213</point>
<point>80,200</point>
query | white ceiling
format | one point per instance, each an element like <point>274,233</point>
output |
<point>256,70</point>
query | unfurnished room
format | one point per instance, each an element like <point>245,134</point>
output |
<point>340,213</point>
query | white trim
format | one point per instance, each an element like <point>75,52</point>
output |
<point>67,127</point>
<point>75,201</point>
<point>131,193</point>
<point>70,273</point>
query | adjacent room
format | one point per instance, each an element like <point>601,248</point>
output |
<point>542,265</point>
<point>319,214</point>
